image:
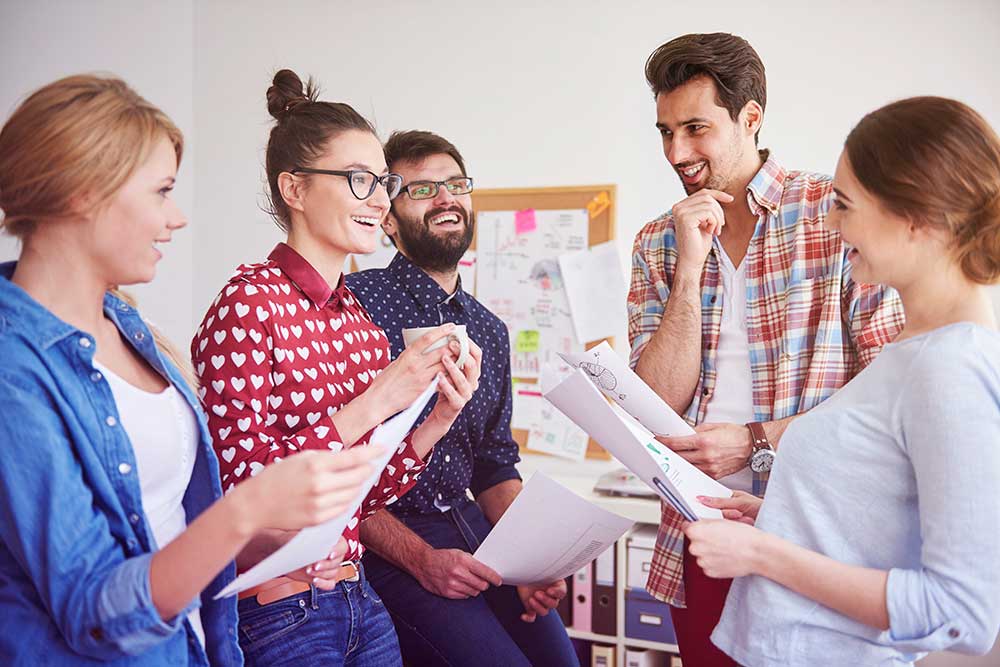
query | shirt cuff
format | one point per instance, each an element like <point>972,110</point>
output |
<point>487,475</point>
<point>910,629</point>
<point>128,618</point>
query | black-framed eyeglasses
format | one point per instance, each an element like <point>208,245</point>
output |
<point>362,181</point>
<point>460,185</point>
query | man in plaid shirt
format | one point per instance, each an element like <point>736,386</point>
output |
<point>742,311</point>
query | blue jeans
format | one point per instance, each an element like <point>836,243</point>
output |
<point>346,626</point>
<point>481,631</point>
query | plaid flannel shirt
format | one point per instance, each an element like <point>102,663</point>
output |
<point>810,327</point>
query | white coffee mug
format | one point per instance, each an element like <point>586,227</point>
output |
<point>458,334</point>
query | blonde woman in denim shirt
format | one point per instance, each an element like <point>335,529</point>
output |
<point>879,536</point>
<point>114,536</point>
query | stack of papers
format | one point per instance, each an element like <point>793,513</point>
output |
<point>629,439</point>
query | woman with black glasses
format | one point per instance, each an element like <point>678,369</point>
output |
<point>290,361</point>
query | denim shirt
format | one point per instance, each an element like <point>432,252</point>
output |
<point>76,546</point>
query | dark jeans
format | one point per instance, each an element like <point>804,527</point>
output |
<point>480,631</point>
<point>346,626</point>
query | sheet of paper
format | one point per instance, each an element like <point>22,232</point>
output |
<point>670,475</point>
<point>554,433</point>
<point>548,533</point>
<point>467,271</point>
<point>595,289</point>
<point>612,375</point>
<point>518,279</point>
<point>528,402</point>
<point>314,543</point>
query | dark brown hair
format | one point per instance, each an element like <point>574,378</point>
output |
<point>304,128</point>
<point>935,162</point>
<point>728,60</point>
<point>417,145</point>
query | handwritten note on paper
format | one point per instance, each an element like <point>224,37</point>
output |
<point>467,271</point>
<point>524,221</point>
<point>555,433</point>
<point>518,279</point>
<point>527,341</point>
<point>528,404</point>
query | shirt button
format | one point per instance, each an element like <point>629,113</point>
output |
<point>706,392</point>
<point>954,633</point>
<point>122,307</point>
<point>111,421</point>
<point>95,376</point>
<point>131,544</point>
<point>97,634</point>
<point>139,336</point>
<point>133,518</point>
<point>447,458</point>
<point>84,343</point>
<point>124,468</point>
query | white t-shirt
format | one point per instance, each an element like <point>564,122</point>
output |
<point>732,401</point>
<point>164,436</point>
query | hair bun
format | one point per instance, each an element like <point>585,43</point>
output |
<point>287,92</point>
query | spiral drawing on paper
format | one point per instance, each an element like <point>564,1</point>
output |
<point>602,377</point>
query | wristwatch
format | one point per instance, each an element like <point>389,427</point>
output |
<point>762,454</point>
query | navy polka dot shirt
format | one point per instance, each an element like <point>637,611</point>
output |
<point>479,450</point>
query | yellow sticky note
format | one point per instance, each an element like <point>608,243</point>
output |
<point>526,341</point>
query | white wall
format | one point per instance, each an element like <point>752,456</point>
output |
<point>553,93</point>
<point>150,45</point>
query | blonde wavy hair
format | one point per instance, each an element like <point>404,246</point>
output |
<point>76,140</point>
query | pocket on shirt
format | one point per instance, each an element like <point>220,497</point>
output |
<point>807,306</point>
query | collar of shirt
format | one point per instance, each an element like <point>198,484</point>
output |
<point>306,277</point>
<point>767,186</point>
<point>424,289</point>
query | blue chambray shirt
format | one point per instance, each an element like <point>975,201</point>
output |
<point>478,452</point>
<point>76,547</point>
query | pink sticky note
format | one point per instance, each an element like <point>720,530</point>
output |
<point>524,221</point>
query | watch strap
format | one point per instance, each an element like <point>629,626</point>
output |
<point>758,438</point>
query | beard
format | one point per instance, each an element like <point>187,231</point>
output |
<point>435,252</point>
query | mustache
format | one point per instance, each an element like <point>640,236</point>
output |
<point>687,165</point>
<point>460,211</point>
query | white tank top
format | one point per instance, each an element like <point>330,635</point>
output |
<point>732,401</point>
<point>164,435</point>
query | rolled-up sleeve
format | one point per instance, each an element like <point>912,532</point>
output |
<point>950,418</point>
<point>50,523</point>
<point>646,300</point>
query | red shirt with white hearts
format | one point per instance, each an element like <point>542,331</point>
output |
<point>278,353</point>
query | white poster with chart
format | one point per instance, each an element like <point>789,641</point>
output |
<point>518,278</point>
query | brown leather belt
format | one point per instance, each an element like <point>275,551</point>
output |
<point>280,588</point>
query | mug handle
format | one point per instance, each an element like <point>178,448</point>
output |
<point>463,354</point>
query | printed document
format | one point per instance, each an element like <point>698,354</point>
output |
<point>547,534</point>
<point>674,479</point>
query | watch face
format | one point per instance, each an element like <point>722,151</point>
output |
<point>762,460</point>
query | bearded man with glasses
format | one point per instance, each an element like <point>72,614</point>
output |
<point>448,607</point>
